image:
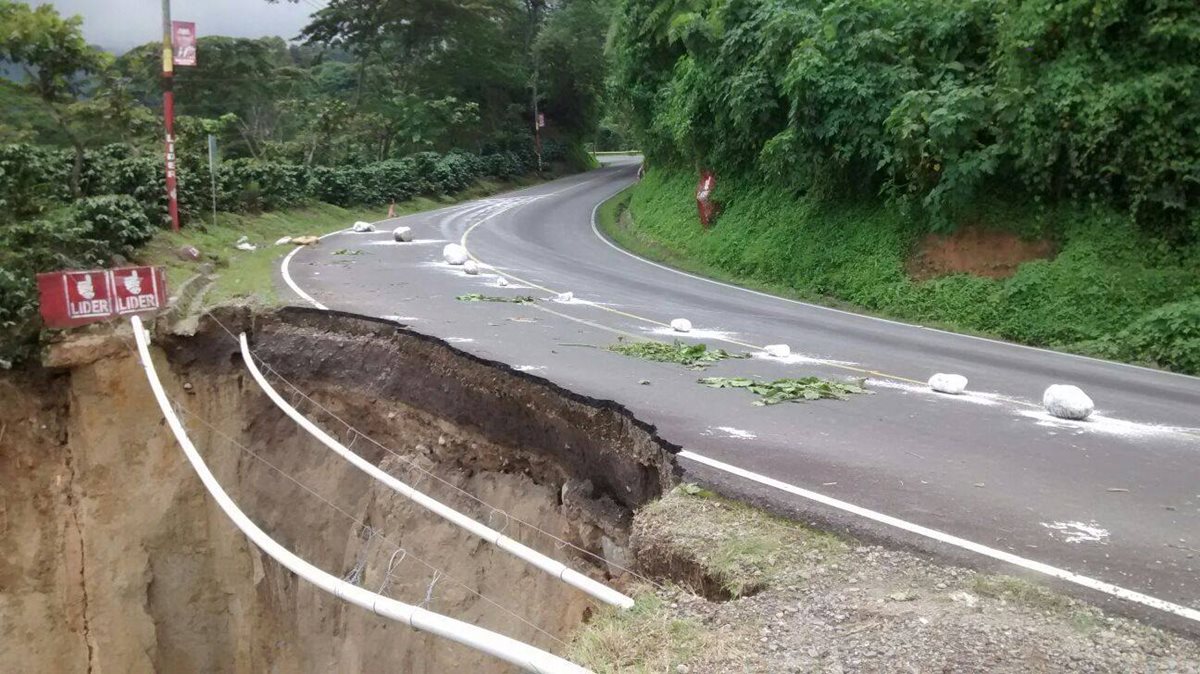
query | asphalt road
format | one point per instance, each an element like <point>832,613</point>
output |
<point>1115,499</point>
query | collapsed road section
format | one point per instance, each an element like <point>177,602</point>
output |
<point>120,561</point>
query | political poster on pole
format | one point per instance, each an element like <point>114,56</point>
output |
<point>183,39</point>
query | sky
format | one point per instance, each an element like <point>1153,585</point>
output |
<point>117,25</point>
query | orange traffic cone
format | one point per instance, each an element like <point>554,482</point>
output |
<point>392,210</point>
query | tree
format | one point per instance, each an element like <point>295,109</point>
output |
<point>570,46</point>
<point>56,61</point>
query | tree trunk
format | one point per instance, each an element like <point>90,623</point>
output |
<point>77,168</point>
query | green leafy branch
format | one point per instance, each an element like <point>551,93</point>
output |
<point>476,297</point>
<point>695,356</point>
<point>788,390</point>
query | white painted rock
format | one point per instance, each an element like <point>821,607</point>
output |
<point>953,384</point>
<point>778,350</point>
<point>402,234</point>
<point>248,247</point>
<point>502,282</point>
<point>565,297</point>
<point>471,268</point>
<point>361,226</point>
<point>681,325</point>
<point>284,241</point>
<point>1067,402</point>
<point>455,254</point>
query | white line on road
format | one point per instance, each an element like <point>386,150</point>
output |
<point>1062,574</point>
<point>942,537</point>
<point>614,246</point>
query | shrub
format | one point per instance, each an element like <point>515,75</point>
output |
<point>933,102</point>
<point>1112,290</point>
<point>116,222</point>
<point>1168,337</point>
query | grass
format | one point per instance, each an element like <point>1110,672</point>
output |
<point>745,549</point>
<point>248,276</point>
<point>695,356</point>
<point>1099,296</point>
<point>1022,592</point>
<point>644,639</point>
<point>788,390</point>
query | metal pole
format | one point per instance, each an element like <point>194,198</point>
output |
<point>534,6</point>
<point>212,172</point>
<point>168,65</point>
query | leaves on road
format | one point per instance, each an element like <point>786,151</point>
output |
<point>695,356</point>
<point>476,297</point>
<point>788,390</point>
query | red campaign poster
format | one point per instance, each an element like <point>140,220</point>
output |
<point>72,298</point>
<point>183,39</point>
<point>704,202</point>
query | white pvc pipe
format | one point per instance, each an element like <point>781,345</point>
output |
<point>510,650</point>
<point>550,566</point>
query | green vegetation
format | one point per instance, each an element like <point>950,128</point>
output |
<point>1021,591</point>
<point>787,390</point>
<point>1112,290</point>
<point>695,356</point>
<point>516,299</point>
<point>741,547</point>
<point>645,639</point>
<point>935,104</point>
<point>243,275</point>
<point>417,102</point>
<point>842,132</point>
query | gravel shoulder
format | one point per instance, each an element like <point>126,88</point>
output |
<point>750,592</point>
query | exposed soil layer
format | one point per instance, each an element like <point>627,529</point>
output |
<point>975,250</point>
<point>115,558</point>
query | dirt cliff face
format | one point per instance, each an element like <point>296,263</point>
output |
<point>115,559</point>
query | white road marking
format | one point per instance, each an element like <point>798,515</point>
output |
<point>933,534</point>
<point>948,539</point>
<point>596,231</point>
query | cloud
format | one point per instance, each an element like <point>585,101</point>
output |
<point>118,25</point>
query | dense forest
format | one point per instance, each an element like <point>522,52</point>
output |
<point>845,131</point>
<point>932,103</point>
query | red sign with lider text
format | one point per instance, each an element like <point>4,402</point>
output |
<point>73,298</point>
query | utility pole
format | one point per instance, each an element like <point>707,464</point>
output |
<point>168,64</point>
<point>534,7</point>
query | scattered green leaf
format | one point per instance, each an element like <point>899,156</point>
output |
<point>788,390</point>
<point>476,297</point>
<point>347,251</point>
<point>696,356</point>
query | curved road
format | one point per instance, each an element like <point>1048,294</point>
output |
<point>1109,507</point>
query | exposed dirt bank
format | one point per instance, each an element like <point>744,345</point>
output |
<point>975,250</point>
<point>116,560</point>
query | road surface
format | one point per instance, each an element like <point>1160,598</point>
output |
<point>1110,508</point>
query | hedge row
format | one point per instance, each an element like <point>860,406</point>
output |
<point>34,179</point>
<point>123,202</point>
